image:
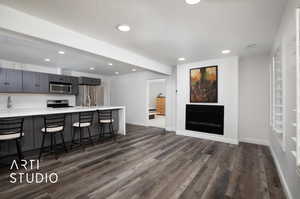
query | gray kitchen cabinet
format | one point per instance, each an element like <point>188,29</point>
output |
<point>35,82</point>
<point>57,78</point>
<point>89,81</point>
<point>10,80</point>
<point>74,82</point>
<point>2,80</point>
<point>18,81</point>
<point>44,83</point>
<point>27,140</point>
<point>29,84</point>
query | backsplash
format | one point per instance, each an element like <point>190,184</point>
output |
<point>32,100</point>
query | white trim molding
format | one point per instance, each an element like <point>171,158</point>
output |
<point>281,176</point>
<point>255,141</point>
<point>169,128</point>
<point>217,138</point>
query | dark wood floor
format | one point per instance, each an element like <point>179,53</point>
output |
<point>146,164</point>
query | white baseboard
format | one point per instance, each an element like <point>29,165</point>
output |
<point>255,141</point>
<point>170,129</point>
<point>207,136</point>
<point>281,176</point>
<point>137,124</point>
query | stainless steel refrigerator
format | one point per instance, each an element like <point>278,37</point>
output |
<point>90,96</point>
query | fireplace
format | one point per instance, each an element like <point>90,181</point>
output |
<point>205,118</point>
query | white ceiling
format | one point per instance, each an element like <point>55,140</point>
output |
<point>19,48</point>
<point>167,29</point>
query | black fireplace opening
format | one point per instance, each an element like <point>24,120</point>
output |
<point>205,118</point>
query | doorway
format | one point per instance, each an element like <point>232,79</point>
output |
<point>156,106</point>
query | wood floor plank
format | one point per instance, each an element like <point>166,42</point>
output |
<point>148,164</point>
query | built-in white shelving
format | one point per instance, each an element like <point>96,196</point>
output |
<point>277,82</point>
<point>297,110</point>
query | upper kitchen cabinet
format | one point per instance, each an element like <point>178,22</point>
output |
<point>74,82</point>
<point>18,81</point>
<point>10,80</point>
<point>35,82</point>
<point>89,81</point>
<point>58,78</point>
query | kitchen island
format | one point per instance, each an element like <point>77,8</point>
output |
<point>33,123</point>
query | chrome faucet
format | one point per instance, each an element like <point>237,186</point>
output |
<point>9,102</point>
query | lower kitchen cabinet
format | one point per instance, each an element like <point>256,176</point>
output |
<point>32,138</point>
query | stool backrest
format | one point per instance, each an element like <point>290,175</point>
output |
<point>86,117</point>
<point>104,115</point>
<point>52,121</point>
<point>11,126</point>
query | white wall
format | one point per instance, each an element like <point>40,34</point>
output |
<point>228,88</point>
<point>285,161</point>
<point>254,99</point>
<point>171,101</point>
<point>131,91</point>
<point>156,88</point>
<point>32,100</point>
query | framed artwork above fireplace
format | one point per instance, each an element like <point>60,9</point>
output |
<point>204,84</point>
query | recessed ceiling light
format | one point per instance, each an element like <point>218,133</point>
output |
<point>92,68</point>
<point>117,73</point>
<point>123,28</point>
<point>110,64</point>
<point>47,60</point>
<point>133,70</point>
<point>61,52</point>
<point>226,51</point>
<point>192,2</point>
<point>181,59</point>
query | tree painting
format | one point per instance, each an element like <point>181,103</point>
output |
<point>204,85</point>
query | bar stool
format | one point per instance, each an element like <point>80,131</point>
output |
<point>53,125</point>
<point>11,129</point>
<point>105,118</point>
<point>85,121</point>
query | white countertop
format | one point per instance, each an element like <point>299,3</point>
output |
<point>25,112</point>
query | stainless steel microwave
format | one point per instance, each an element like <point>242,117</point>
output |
<point>63,88</point>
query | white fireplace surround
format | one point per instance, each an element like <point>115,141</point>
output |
<point>228,95</point>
